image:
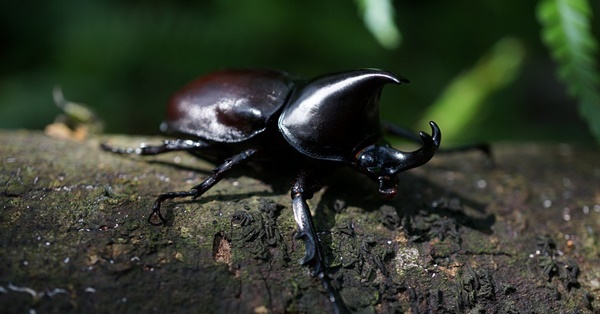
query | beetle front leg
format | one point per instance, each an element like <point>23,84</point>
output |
<point>303,189</point>
<point>167,146</point>
<point>216,175</point>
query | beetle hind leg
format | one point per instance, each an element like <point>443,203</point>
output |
<point>167,146</point>
<point>156,218</point>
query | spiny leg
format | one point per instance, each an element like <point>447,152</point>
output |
<point>167,146</point>
<point>303,189</point>
<point>216,175</point>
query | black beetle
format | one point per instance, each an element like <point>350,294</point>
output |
<point>311,126</point>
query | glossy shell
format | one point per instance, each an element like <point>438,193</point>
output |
<point>333,116</point>
<point>228,106</point>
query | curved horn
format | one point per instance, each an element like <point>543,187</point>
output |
<point>382,162</point>
<point>409,160</point>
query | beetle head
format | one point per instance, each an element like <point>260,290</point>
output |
<point>382,163</point>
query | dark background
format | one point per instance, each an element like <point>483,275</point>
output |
<point>125,58</point>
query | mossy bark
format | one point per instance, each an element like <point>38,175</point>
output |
<point>520,235</point>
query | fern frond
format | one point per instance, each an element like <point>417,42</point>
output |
<point>566,32</point>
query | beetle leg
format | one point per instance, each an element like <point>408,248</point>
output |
<point>167,146</point>
<point>302,190</point>
<point>215,176</point>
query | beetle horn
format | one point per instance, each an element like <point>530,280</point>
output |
<point>383,163</point>
<point>409,160</point>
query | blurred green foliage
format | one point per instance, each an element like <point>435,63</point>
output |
<point>566,32</point>
<point>125,58</point>
<point>460,102</point>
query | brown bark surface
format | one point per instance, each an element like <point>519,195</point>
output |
<point>464,235</point>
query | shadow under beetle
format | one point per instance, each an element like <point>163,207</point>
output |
<point>313,126</point>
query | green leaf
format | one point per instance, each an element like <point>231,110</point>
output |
<point>378,16</point>
<point>462,99</point>
<point>566,32</point>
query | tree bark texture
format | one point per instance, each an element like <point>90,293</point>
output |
<point>465,234</point>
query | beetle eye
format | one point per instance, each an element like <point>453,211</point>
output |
<point>367,160</point>
<point>369,163</point>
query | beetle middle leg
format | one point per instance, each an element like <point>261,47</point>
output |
<point>215,176</point>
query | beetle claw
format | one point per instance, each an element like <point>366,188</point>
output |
<point>310,247</point>
<point>156,218</point>
<point>153,220</point>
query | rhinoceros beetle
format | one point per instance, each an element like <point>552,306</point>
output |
<point>313,126</point>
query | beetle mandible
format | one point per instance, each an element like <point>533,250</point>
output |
<point>310,126</point>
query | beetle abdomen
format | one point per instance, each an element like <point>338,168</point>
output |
<point>228,106</point>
